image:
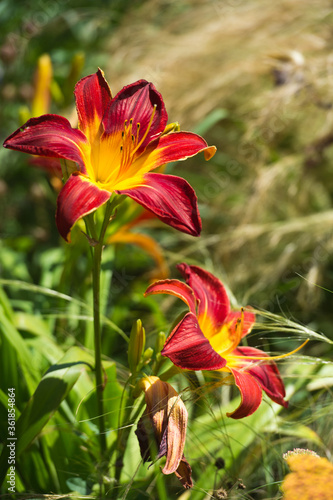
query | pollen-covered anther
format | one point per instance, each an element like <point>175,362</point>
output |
<point>147,129</point>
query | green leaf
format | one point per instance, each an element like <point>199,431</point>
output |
<point>322,379</point>
<point>31,323</point>
<point>211,120</point>
<point>13,337</point>
<point>296,429</point>
<point>77,485</point>
<point>51,391</point>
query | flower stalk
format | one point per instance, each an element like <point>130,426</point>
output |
<point>97,258</point>
<point>97,243</point>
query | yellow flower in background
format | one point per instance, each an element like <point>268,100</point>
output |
<point>311,477</point>
<point>42,96</point>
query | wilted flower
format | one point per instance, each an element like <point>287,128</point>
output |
<point>163,425</point>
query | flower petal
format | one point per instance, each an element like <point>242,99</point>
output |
<point>184,473</point>
<point>171,199</point>
<point>52,136</point>
<point>176,430</point>
<point>251,394</point>
<point>179,146</point>
<point>188,348</point>
<point>137,102</point>
<point>143,432</point>
<point>236,325</point>
<point>170,147</point>
<point>266,374</point>
<point>176,288</point>
<point>166,416</point>
<point>93,97</point>
<point>78,197</point>
<point>214,304</point>
<point>249,319</point>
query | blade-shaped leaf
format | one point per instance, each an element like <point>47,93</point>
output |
<point>50,392</point>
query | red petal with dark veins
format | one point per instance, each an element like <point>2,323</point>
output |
<point>176,288</point>
<point>188,348</point>
<point>248,321</point>
<point>266,374</point>
<point>214,301</point>
<point>93,97</point>
<point>78,197</point>
<point>49,135</point>
<point>251,394</point>
<point>176,146</point>
<point>171,199</point>
<point>136,102</point>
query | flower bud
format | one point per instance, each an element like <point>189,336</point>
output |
<point>136,345</point>
<point>147,355</point>
<point>160,341</point>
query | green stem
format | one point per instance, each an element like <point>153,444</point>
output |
<point>97,258</point>
<point>97,250</point>
<point>123,435</point>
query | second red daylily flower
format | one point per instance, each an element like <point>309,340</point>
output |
<point>208,337</point>
<point>118,143</point>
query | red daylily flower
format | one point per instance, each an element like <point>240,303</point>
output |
<point>118,142</point>
<point>208,337</point>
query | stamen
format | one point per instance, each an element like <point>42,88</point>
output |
<point>236,335</point>
<point>147,129</point>
<point>130,143</point>
<point>270,358</point>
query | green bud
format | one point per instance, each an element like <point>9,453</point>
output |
<point>160,341</point>
<point>136,345</point>
<point>147,355</point>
